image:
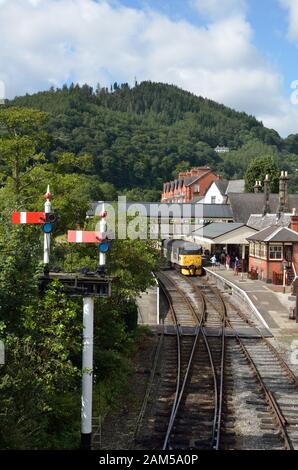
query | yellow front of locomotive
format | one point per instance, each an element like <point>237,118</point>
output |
<point>191,265</point>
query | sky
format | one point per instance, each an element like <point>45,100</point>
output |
<point>242,53</point>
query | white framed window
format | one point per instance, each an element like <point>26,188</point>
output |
<point>252,249</point>
<point>275,252</point>
<point>258,250</point>
<point>263,250</point>
<point>196,188</point>
<point>213,199</point>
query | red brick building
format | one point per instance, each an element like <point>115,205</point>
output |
<point>190,185</point>
<point>274,249</point>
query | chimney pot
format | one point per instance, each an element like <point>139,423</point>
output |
<point>266,207</point>
<point>294,221</point>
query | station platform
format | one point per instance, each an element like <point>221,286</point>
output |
<point>273,307</point>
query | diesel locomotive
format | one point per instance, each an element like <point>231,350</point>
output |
<point>185,256</point>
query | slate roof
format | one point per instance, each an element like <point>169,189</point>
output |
<point>235,186</point>
<point>245,204</point>
<point>222,185</point>
<point>200,211</point>
<point>216,229</point>
<point>193,179</point>
<point>275,234</point>
<point>260,221</point>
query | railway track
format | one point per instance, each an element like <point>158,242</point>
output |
<point>272,375</point>
<point>188,409</point>
<point>218,382</point>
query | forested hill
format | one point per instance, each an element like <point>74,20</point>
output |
<point>141,136</point>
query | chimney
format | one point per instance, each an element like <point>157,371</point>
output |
<point>266,208</point>
<point>286,179</point>
<point>257,186</point>
<point>283,205</point>
<point>294,221</point>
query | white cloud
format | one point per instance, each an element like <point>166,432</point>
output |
<point>47,42</point>
<point>292,7</point>
<point>220,8</point>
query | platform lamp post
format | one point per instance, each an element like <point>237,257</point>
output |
<point>242,262</point>
<point>284,267</point>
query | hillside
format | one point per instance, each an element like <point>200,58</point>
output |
<point>141,136</point>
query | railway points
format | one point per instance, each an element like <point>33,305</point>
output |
<point>218,383</point>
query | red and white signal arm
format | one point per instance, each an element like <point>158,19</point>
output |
<point>28,217</point>
<point>85,236</point>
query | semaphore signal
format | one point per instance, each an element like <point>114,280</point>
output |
<point>101,238</point>
<point>47,219</point>
<point>28,217</point>
<point>88,286</point>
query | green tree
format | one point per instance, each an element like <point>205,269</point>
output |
<point>21,141</point>
<point>38,373</point>
<point>257,171</point>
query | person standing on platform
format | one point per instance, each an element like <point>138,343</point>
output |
<point>223,258</point>
<point>236,266</point>
<point>228,262</point>
<point>213,261</point>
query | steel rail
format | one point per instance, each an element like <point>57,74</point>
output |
<point>279,358</point>
<point>148,389</point>
<point>268,394</point>
<point>180,392</point>
<point>217,396</point>
<point>220,392</point>
<point>171,308</point>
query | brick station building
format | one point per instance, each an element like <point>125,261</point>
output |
<point>190,186</point>
<point>274,249</point>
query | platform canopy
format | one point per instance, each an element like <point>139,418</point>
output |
<point>217,233</point>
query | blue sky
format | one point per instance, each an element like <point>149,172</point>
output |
<point>242,53</point>
<point>267,17</point>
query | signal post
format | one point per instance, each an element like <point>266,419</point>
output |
<point>87,284</point>
<point>88,322</point>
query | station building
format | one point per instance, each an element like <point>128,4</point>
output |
<point>228,238</point>
<point>273,253</point>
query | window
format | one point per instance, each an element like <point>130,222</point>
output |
<point>258,250</point>
<point>275,252</point>
<point>196,188</point>
<point>213,199</point>
<point>252,249</point>
<point>263,251</point>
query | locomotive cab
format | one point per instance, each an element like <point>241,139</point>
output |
<point>185,256</point>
